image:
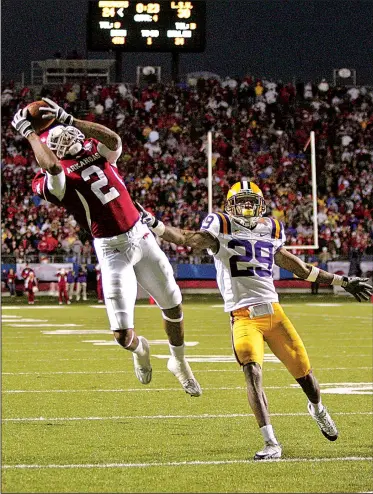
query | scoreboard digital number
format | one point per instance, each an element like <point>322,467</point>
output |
<point>163,26</point>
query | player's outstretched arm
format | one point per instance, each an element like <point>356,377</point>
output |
<point>198,240</point>
<point>108,137</point>
<point>358,287</point>
<point>103,134</point>
<point>46,158</point>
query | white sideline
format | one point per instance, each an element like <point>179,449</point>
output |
<point>191,463</point>
<point>168,417</point>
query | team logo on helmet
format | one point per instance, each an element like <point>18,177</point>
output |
<point>245,203</point>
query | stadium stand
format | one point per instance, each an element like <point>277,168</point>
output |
<point>260,130</point>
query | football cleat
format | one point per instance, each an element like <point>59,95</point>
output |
<point>270,451</point>
<point>142,365</point>
<point>182,371</point>
<point>325,422</point>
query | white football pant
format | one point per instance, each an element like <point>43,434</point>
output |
<point>131,258</point>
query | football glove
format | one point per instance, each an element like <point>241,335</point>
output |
<point>21,124</point>
<point>146,218</point>
<point>57,112</point>
<point>358,287</point>
<point>150,221</point>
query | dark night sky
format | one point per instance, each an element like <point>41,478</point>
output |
<point>274,38</point>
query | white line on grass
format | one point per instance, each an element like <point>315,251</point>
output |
<point>27,307</point>
<point>128,390</point>
<point>141,390</point>
<point>167,417</point>
<point>189,463</point>
<point>161,371</point>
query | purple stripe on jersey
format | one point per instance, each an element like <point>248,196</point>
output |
<point>229,226</point>
<point>281,230</point>
<point>273,228</point>
<point>220,222</point>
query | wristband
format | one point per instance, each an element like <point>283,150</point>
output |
<point>339,280</point>
<point>159,229</point>
<point>314,273</point>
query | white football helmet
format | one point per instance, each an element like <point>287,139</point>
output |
<point>65,140</point>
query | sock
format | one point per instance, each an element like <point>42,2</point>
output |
<point>139,350</point>
<point>317,407</point>
<point>177,351</point>
<point>268,434</point>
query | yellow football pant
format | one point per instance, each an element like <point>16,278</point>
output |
<point>249,335</point>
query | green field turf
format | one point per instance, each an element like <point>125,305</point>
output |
<point>75,418</point>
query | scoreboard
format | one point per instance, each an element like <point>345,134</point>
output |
<point>164,26</point>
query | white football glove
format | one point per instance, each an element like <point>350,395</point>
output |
<point>57,112</point>
<point>146,218</point>
<point>150,221</point>
<point>21,124</point>
<point>358,287</point>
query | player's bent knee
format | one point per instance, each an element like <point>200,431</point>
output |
<point>245,354</point>
<point>124,337</point>
<point>253,370</point>
<point>175,314</point>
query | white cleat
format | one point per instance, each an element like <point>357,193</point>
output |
<point>182,371</point>
<point>269,452</point>
<point>143,368</point>
<point>325,423</point>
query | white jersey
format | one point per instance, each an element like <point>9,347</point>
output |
<point>244,261</point>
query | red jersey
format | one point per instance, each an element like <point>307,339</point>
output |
<point>30,282</point>
<point>61,278</point>
<point>94,193</point>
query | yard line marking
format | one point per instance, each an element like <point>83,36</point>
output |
<point>44,325</point>
<point>27,307</point>
<point>127,390</point>
<point>167,417</point>
<point>187,463</point>
<point>35,373</point>
<point>324,305</point>
<point>21,320</point>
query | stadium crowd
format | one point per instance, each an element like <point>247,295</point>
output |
<point>260,131</point>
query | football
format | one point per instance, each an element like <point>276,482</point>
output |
<point>39,123</point>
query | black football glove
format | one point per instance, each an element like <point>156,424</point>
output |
<point>358,287</point>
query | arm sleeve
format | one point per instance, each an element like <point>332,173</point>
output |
<point>56,184</point>
<point>111,156</point>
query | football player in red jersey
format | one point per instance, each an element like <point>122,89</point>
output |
<point>78,171</point>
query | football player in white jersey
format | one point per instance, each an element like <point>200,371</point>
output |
<point>245,246</point>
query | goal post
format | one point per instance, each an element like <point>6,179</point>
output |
<point>314,200</point>
<point>209,170</point>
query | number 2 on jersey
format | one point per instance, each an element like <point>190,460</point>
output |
<point>252,252</point>
<point>99,184</point>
